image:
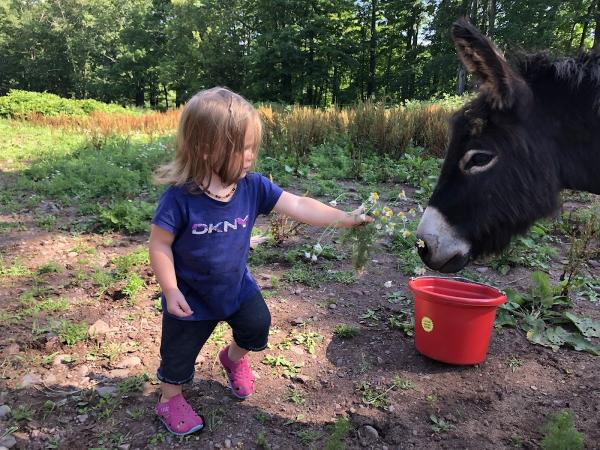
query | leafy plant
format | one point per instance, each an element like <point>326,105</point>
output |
<point>345,331</point>
<point>340,430</point>
<point>439,424</point>
<point>561,433</point>
<point>543,312</point>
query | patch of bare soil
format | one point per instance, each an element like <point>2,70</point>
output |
<point>85,396</point>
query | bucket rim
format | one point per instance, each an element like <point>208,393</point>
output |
<point>497,299</point>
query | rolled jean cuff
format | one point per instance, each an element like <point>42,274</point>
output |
<point>169,381</point>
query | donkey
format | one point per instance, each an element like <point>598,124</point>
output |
<point>532,131</point>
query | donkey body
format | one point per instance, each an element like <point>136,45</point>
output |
<point>532,131</point>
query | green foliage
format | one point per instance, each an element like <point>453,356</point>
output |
<point>345,331</point>
<point>340,430</point>
<point>71,333</point>
<point>132,216</point>
<point>543,313</point>
<point>534,251</point>
<point>561,433</point>
<point>21,104</point>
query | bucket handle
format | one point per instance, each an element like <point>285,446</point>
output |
<point>466,280</point>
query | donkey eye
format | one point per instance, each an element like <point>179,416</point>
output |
<point>477,161</point>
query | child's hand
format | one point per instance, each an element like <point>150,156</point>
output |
<point>176,304</point>
<point>358,217</point>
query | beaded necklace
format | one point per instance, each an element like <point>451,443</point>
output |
<point>217,196</point>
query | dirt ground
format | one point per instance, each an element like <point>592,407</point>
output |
<point>73,396</point>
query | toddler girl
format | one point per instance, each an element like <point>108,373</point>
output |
<point>199,243</point>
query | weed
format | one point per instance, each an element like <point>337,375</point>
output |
<point>261,441</point>
<point>439,424</point>
<point>514,363</point>
<point>561,433</point>
<point>134,284</point>
<point>344,331</point>
<point>158,438</point>
<point>214,418</point>
<point>340,430</point>
<point>370,316</point>
<point>308,436</point>
<point>262,417</point>
<point>308,339</point>
<point>107,406</point>
<point>218,335</point>
<point>50,267</point>
<point>295,396</point>
<point>136,413</point>
<point>22,412</point>
<point>289,368</point>
<point>133,384</point>
<point>71,333</point>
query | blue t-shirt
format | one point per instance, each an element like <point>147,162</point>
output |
<point>212,240</point>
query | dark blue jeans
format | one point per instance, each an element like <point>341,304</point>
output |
<point>182,340</point>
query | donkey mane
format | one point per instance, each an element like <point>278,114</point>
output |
<point>576,72</point>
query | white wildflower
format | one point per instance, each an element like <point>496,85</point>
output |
<point>307,255</point>
<point>387,284</point>
<point>402,195</point>
<point>333,203</point>
<point>420,243</point>
<point>406,233</point>
<point>313,257</point>
<point>373,197</point>
<point>318,248</point>
<point>420,271</point>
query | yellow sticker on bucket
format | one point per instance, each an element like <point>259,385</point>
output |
<point>427,324</point>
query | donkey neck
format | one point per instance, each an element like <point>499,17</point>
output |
<point>579,162</point>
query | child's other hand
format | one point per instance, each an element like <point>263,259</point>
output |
<point>359,217</point>
<point>176,304</point>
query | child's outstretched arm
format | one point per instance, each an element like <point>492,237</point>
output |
<point>313,212</point>
<point>161,260</point>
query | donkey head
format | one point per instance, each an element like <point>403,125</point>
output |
<point>498,176</point>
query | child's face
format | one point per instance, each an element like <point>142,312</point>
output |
<point>248,153</point>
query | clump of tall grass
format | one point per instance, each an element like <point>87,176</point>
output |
<point>107,124</point>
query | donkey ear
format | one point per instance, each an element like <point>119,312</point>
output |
<point>483,59</point>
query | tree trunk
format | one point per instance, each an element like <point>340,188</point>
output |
<point>586,24</point>
<point>139,95</point>
<point>491,13</point>
<point>372,50</point>
<point>166,92</point>
<point>596,46</point>
<point>461,80</point>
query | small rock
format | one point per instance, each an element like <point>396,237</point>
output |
<point>124,446</point>
<point>82,418</point>
<point>8,441</point>
<point>482,269</point>
<point>332,306</point>
<point>60,359</point>
<point>30,379</point>
<point>4,411</point>
<point>533,388</point>
<point>129,362</point>
<point>119,373</point>
<point>415,432</point>
<point>98,328</point>
<point>367,435</point>
<point>12,349</point>
<point>227,443</point>
<point>298,321</point>
<point>106,390</point>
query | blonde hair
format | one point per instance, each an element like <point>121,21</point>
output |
<point>210,138</point>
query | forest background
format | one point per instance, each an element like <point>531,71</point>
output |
<point>156,53</point>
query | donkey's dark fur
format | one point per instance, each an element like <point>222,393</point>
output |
<point>540,120</point>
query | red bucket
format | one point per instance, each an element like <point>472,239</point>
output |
<point>454,318</point>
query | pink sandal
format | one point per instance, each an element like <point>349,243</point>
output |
<point>239,375</point>
<point>179,417</point>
